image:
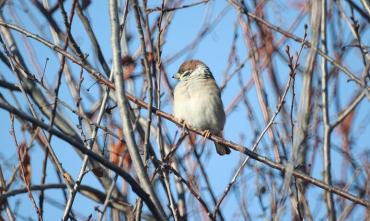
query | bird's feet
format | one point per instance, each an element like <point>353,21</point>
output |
<point>184,127</point>
<point>206,134</point>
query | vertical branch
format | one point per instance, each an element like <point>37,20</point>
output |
<point>158,64</point>
<point>123,107</point>
<point>325,114</point>
<point>299,147</point>
<point>300,140</point>
<point>148,78</point>
<point>150,94</point>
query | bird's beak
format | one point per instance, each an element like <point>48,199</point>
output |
<point>176,76</point>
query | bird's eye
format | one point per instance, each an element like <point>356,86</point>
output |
<point>186,73</point>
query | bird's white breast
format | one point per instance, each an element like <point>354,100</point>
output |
<point>198,103</point>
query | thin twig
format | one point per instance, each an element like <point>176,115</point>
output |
<point>162,10</point>
<point>77,144</point>
<point>22,169</point>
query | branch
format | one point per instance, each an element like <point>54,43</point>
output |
<point>300,40</point>
<point>94,156</point>
<point>325,115</point>
<point>85,190</point>
<point>125,117</point>
<point>169,117</point>
<point>162,10</point>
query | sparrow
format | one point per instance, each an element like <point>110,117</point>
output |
<point>197,100</point>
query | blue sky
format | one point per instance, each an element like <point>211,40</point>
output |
<point>214,50</point>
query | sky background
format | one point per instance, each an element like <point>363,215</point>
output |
<point>214,50</point>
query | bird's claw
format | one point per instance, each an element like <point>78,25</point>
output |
<point>206,134</point>
<point>184,126</point>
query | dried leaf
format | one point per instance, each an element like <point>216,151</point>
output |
<point>346,124</point>
<point>345,129</point>
<point>25,162</point>
<point>119,151</point>
<point>128,66</point>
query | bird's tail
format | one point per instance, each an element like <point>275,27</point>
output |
<point>221,149</point>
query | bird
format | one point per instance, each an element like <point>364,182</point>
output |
<point>197,100</point>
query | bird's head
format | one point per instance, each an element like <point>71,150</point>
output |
<point>192,69</point>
